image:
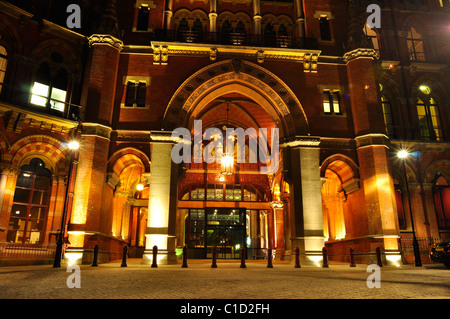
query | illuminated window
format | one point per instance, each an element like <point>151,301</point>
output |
<point>135,94</point>
<point>3,63</point>
<point>415,44</point>
<point>30,204</point>
<point>49,92</point>
<point>331,102</point>
<point>143,16</point>
<point>429,119</point>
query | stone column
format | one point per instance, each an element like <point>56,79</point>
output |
<point>306,217</point>
<point>372,146</point>
<point>99,85</point>
<point>8,179</point>
<point>90,215</point>
<point>300,18</point>
<point>279,236</point>
<point>257,16</point>
<point>162,201</point>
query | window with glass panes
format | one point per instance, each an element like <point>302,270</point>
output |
<point>331,102</point>
<point>30,204</point>
<point>221,192</point>
<point>429,119</point>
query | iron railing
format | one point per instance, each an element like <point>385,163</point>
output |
<point>235,39</point>
<point>26,251</point>
<point>21,98</point>
<point>425,243</point>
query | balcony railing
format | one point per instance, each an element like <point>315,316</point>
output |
<point>21,98</point>
<point>235,39</point>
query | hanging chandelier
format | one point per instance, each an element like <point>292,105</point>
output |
<point>227,162</point>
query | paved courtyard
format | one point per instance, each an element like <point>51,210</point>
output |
<point>227,281</point>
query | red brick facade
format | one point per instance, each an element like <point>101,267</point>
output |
<point>344,107</point>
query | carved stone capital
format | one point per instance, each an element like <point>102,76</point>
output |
<point>360,53</point>
<point>301,141</point>
<point>96,129</point>
<point>276,204</point>
<point>105,39</point>
<point>372,139</point>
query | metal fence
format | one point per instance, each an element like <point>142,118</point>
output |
<point>27,251</point>
<point>425,243</point>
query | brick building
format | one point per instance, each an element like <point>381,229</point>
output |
<point>345,99</point>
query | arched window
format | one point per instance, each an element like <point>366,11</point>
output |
<point>415,44</point>
<point>441,195</point>
<point>3,64</point>
<point>30,204</point>
<point>270,39</point>
<point>226,31</point>
<point>428,115</point>
<point>183,28</point>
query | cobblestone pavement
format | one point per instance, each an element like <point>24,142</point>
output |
<point>228,281</point>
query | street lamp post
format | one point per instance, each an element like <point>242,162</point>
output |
<point>72,146</point>
<point>418,263</point>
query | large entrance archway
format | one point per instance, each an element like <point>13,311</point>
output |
<point>233,94</point>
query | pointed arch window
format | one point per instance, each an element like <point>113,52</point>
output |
<point>30,204</point>
<point>416,46</point>
<point>3,64</point>
<point>429,118</point>
<point>441,196</point>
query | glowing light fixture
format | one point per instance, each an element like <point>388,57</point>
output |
<point>139,187</point>
<point>424,89</point>
<point>402,154</point>
<point>227,162</point>
<point>73,145</point>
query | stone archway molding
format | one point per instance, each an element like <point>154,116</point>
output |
<point>241,77</point>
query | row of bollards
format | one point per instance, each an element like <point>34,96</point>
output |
<point>243,257</point>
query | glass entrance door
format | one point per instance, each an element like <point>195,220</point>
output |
<point>225,229</point>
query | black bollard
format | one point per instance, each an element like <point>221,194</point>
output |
<point>155,255</point>
<point>297,258</point>
<point>95,259</point>
<point>124,256</point>
<point>352,257</point>
<point>324,258</point>
<point>214,257</point>
<point>243,258</point>
<point>269,258</point>
<point>379,263</point>
<point>184,265</point>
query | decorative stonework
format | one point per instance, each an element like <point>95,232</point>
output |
<point>237,72</point>
<point>299,141</point>
<point>105,39</point>
<point>96,129</point>
<point>360,53</point>
<point>371,140</point>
